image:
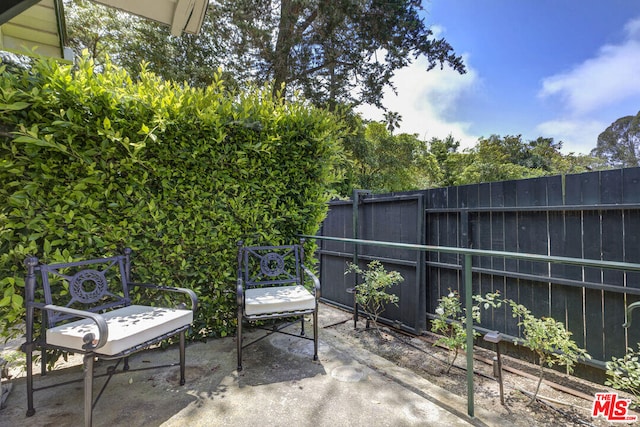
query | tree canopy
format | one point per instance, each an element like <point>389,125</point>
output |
<point>336,53</point>
<point>333,51</point>
<point>383,162</point>
<point>346,51</point>
<point>128,41</point>
<point>619,144</point>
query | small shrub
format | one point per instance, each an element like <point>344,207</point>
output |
<point>624,374</point>
<point>12,360</point>
<point>546,337</point>
<point>372,294</point>
<point>451,324</point>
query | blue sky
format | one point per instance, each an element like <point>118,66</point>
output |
<point>562,69</point>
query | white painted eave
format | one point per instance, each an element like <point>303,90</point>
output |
<point>183,16</point>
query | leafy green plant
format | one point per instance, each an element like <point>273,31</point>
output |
<point>451,323</point>
<point>93,160</point>
<point>372,293</point>
<point>624,374</point>
<point>12,359</point>
<point>546,337</point>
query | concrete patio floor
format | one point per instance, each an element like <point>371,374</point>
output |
<point>280,385</point>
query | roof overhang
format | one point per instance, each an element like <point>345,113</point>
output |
<point>12,8</point>
<point>34,29</point>
<point>26,25</point>
<point>181,15</point>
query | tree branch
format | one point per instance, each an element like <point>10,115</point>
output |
<point>299,31</point>
<point>317,68</point>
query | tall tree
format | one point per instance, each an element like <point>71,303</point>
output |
<point>129,40</point>
<point>97,29</point>
<point>392,119</point>
<point>449,160</point>
<point>188,58</point>
<point>492,159</point>
<point>384,162</point>
<point>619,144</point>
<point>333,51</point>
<point>344,51</point>
<point>545,154</point>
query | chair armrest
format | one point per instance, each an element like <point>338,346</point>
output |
<point>192,295</point>
<point>97,318</point>
<point>316,281</point>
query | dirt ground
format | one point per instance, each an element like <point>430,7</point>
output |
<point>552,408</point>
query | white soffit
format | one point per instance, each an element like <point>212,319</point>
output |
<point>36,30</point>
<point>181,15</point>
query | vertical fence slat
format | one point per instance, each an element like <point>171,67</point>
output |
<point>631,226</point>
<point>499,315</point>
<point>592,249</point>
<point>632,254</point>
<point>594,309</point>
<point>611,180</point>
<point>614,333</point>
<point>612,250</point>
<point>567,301</point>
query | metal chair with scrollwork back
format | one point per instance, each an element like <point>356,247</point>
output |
<point>87,307</point>
<point>271,285</point>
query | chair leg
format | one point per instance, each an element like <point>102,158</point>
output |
<point>43,361</point>
<point>315,334</point>
<point>239,339</point>
<point>182,358</point>
<point>44,356</point>
<point>88,389</point>
<point>302,326</point>
<point>29,353</point>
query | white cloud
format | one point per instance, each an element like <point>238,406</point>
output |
<point>426,99</point>
<point>437,31</point>
<point>578,136</point>
<point>591,90</point>
<point>632,28</point>
<point>608,78</point>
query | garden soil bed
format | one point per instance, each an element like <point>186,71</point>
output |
<point>555,406</point>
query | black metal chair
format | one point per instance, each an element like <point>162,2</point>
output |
<point>86,307</point>
<point>271,285</point>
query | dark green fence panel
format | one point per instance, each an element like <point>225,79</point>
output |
<point>631,195</point>
<point>334,256</point>
<point>397,218</point>
<point>632,244</point>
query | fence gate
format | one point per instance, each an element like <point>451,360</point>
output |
<point>395,218</point>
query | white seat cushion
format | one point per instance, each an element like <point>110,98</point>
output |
<point>278,299</point>
<point>127,326</point>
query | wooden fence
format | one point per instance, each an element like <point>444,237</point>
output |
<point>592,215</point>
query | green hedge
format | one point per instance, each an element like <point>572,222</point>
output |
<point>93,162</point>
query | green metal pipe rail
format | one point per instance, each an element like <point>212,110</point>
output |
<point>467,278</point>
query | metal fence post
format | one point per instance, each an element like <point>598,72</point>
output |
<point>356,235</point>
<point>468,290</point>
<point>467,264</point>
<point>421,267</point>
